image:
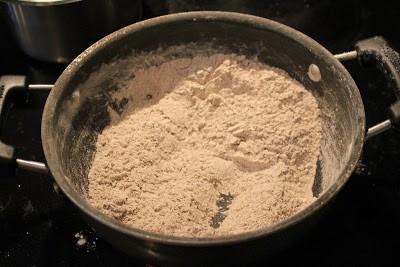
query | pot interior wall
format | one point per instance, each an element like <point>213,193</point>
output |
<point>82,109</point>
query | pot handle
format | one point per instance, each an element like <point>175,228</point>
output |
<point>377,50</point>
<point>8,159</point>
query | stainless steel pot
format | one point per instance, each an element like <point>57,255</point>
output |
<point>58,30</point>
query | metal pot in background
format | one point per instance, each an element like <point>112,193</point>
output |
<point>58,30</point>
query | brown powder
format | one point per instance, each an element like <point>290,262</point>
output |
<point>209,146</point>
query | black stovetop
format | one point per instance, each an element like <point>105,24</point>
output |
<point>40,227</point>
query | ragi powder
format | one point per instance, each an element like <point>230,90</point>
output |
<point>209,145</point>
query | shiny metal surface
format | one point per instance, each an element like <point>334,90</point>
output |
<point>34,166</point>
<point>57,31</point>
<point>40,2</point>
<point>40,86</point>
<point>378,129</point>
<point>346,55</point>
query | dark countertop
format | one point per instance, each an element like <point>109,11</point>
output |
<point>41,227</point>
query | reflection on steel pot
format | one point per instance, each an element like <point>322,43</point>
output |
<point>74,114</point>
<point>58,30</point>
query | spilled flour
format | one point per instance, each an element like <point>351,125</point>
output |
<point>209,146</point>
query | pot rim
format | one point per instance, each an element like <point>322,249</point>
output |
<point>40,2</point>
<point>251,21</point>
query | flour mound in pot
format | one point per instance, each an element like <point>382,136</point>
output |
<point>208,146</point>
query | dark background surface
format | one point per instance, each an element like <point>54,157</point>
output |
<point>39,227</point>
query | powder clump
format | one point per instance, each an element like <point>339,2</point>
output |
<point>208,146</point>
